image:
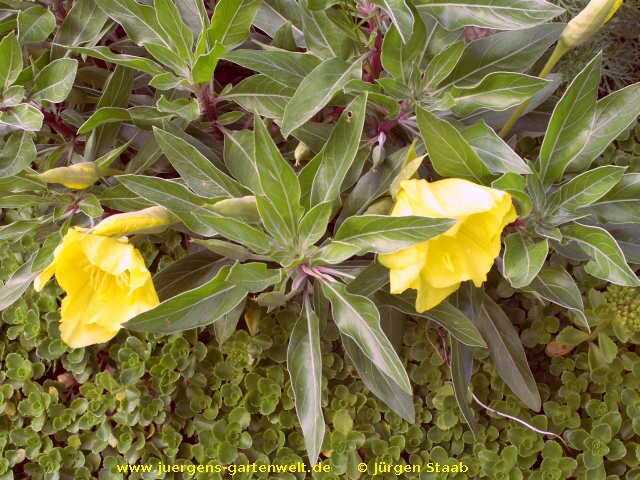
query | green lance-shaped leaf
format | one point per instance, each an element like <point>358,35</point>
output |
<point>492,150</point>
<point>322,36</point>
<point>254,277</point>
<point>556,285</point>
<point>314,225</point>
<point>443,64</point>
<point>54,81</point>
<point>278,180</point>
<point>357,317</point>
<point>339,154</point>
<point>10,60</point>
<point>194,308</point>
<point>507,353</point>
<point>620,205</point>
<point>568,129</point>
<point>523,260</point>
<point>304,361</point>
<point>449,152</point>
<point>384,234</point>
<point>17,153</point>
<point>263,95</point>
<point>206,64</point>
<point>334,252</point>
<point>194,14</point>
<point>231,22</point>
<point>168,18</point>
<point>461,369</point>
<point>239,158</point>
<point>496,91</point>
<point>614,113</point>
<point>83,23</point>
<point>381,385</point>
<point>200,174</point>
<point>398,53</point>
<point>35,24</point>
<point>316,90</point>
<point>444,314</point>
<point>24,116</point>
<point>500,14</point>
<point>369,280</point>
<point>401,15</point>
<point>103,116</point>
<point>19,281</point>
<point>608,261</point>
<point>103,53</point>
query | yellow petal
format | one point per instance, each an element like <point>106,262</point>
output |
<point>110,254</point>
<point>44,277</point>
<point>614,10</point>
<point>73,269</point>
<point>430,296</point>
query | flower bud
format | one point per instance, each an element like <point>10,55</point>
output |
<point>588,22</point>
<point>150,220</point>
<point>78,176</point>
<point>302,152</point>
<point>245,207</point>
<point>382,206</point>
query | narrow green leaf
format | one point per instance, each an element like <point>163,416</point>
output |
<point>314,225</point>
<point>287,68</point>
<point>608,261</point>
<point>263,95</point>
<point>620,205</point>
<point>35,24</point>
<point>322,36</point>
<point>19,281</point>
<point>195,308</point>
<point>206,64</point>
<point>334,252</point>
<point>369,280</point>
<point>139,63</point>
<point>398,53</point>
<point>275,224</point>
<point>304,361</point>
<point>449,152</point>
<point>105,115</point>
<point>523,260</point>
<point>139,21</point>
<point>461,369</point>
<point>254,277</point>
<point>443,64</point>
<point>194,14</point>
<point>17,154</point>
<point>358,318</point>
<point>507,353</point>
<point>226,324</point>
<point>10,60</point>
<point>401,16</point>
<point>231,22</point>
<point>168,18</point>
<point>83,23</point>
<point>239,157</point>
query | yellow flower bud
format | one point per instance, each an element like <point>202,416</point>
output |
<point>150,220</point>
<point>78,176</point>
<point>245,207</point>
<point>382,206</point>
<point>588,22</point>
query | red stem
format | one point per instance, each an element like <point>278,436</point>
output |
<point>58,125</point>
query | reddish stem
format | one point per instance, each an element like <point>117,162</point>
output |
<point>51,120</point>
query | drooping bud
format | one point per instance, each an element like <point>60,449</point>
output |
<point>382,206</point>
<point>78,176</point>
<point>302,152</point>
<point>150,220</point>
<point>245,207</point>
<point>588,22</point>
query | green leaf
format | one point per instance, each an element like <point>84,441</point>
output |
<point>608,347</point>
<point>378,382</point>
<point>323,37</point>
<point>254,277</point>
<point>278,180</point>
<point>620,205</point>
<point>206,64</point>
<point>10,60</point>
<point>557,286</point>
<point>514,51</point>
<point>443,64</point>
<point>613,114</point>
<point>572,336</point>
<point>608,260</point>
<point>568,129</point>
<point>188,273</point>
<point>339,154</point>
<point>187,109</point>
<point>226,249</point>
<point>195,308</point>
<point>231,22</point>
<point>199,173</point>
<point>401,16</point>
<point>507,353</point>
<point>492,150</point>
<point>83,23</point>
<point>103,53</point>
<point>263,95</point>
<point>334,252</point>
<point>105,115</point>
<point>287,68</point>
<point>275,224</point>
<point>226,325</point>
<point>35,24</point>
<point>461,369</point>
<point>16,230</point>
<point>523,260</point>
<point>239,157</point>
<point>314,225</point>
<point>194,15</point>
<point>20,280</point>
<point>17,154</point>
<point>170,22</point>
<point>444,314</point>
<point>358,318</point>
<point>399,52</point>
<point>316,90</point>
<point>449,152</point>
<point>499,14</point>
<point>369,280</point>
<point>24,116</point>
<point>121,198</point>
<point>628,238</point>
<point>90,205</point>
<point>496,91</point>
<point>304,361</point>
<point>383,234</point>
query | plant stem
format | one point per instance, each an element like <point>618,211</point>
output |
<point>560,50</point>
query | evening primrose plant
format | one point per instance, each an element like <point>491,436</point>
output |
<point>333,164</point>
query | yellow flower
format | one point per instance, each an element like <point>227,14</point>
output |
<point>106,282</point>
<point>150,220</point>
<point>465,252</point>
<point>588,22</point>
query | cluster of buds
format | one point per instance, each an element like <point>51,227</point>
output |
<point>624,303</point>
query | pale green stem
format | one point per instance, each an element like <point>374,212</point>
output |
<point>560,50</point>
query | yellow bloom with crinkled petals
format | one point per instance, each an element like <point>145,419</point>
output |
<point>106,281</point>
<point>465,252</point>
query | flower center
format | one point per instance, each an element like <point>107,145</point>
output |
<point>101,281</point>
<point>448,264</point>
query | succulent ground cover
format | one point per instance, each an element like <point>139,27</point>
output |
<point>347,234</point>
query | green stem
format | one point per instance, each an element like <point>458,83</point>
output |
<point>560,50</point>
<point>598,329</point>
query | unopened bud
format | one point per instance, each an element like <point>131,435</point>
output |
<point>245,207</point>
<point>149,220</point>
<point>302,152</point>
<point>78,176</point>
<point>588,22</point>
<point>382,206</point>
